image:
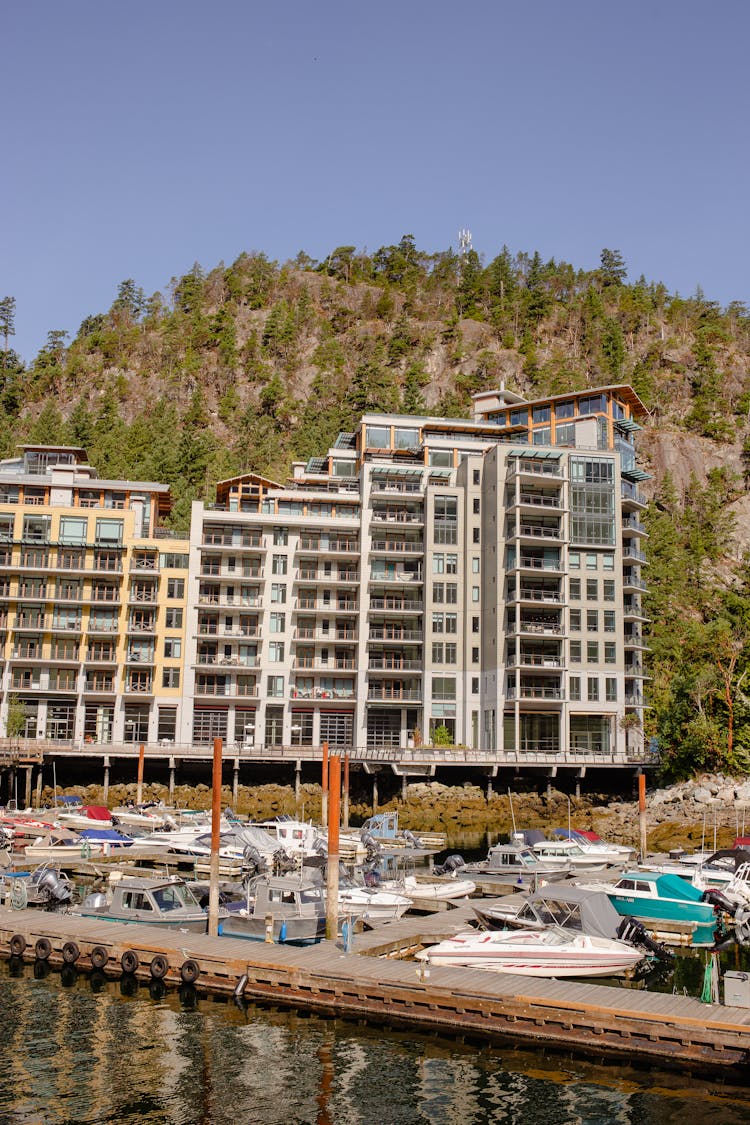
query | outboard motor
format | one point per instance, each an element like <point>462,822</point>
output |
<point>742,925</point>
<point>410,838</point>
<point>282,862</point>
<point>634,932</point>
<point>56,889</point>
<point>450,865</point>
<point>253,860</point>
<point>719,901</point>
<point>371,844</point>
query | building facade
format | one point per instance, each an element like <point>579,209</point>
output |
<point>475,581</point>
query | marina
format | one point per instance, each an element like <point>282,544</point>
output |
<point>373,982</point>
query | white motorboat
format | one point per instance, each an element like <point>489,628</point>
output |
<point>569,855</point>
<point>535,953</point>
<point>372,905</point>
<point>592,844</point>
<point>429,893</point>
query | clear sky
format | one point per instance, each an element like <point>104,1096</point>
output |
<point>141,137</point>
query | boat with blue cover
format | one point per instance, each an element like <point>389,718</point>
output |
<point>671,907</point>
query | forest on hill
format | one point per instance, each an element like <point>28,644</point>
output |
<point>257,364</point>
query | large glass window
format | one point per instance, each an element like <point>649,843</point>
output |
<point>109,532</point>
<point>405,438</point>
<point>36,529</point>
<point>73,530</point>
<point>379,437</point>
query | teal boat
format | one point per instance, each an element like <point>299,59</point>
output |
<point>669,905</point>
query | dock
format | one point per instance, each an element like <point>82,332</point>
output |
<point>375,983</point>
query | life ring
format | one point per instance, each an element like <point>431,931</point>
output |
<point>42,949</point>
<point>190,971</point>
<point>70,952</point>
<point>17,945</point>
<point>130,961</point>
<point>159,966</point>
<point>98,957</point>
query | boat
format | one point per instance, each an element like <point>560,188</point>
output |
<point>569,854</point>
<point>536,953</point>
<point>517,864</point>
<point>569,907</point>
<point>672,907</point>
<point>46,887</point>
<point>59,845</point>
<point>160,901</point>
<point>383,828</point>
<point>289,908</point>
<point>426,894</point>
<point>592,844</point>
<point>84,816</point>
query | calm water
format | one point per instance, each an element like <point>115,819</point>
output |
<point>75,1051</point>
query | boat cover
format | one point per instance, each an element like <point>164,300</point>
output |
<point>576,908</point>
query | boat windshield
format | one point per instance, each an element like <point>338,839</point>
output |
<point>311,894</point>
<point>174,897</point>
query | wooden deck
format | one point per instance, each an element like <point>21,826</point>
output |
<point>373,983</point>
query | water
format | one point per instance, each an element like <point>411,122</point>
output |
<point>76,1051</point>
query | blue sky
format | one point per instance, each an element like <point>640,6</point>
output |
<point>139,138</point>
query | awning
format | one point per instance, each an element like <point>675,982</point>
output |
<point>397,471</point>
<point>635,474</point>
<point>627,425</point>
<point>536,453</point>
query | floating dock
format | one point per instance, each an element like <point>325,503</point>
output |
<point>374,982</point>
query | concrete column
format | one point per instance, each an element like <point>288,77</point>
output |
<point>171,778</point>
<point>489,788</point>
<point>297,782</point>
<point>374,793</point>
<point>39,779</point>
<point>235,782</point>
<point>27,798</point>
<point>578,787</point>
<point>403,787</point>
<point>106,779</point>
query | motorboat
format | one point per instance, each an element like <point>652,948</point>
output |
<point>160,901</point>
<point>46,888</point>
<point>371,904</point>
<point>517,864</point>
<point>61,844</point>
<point>84,816</point>
<point>536,953</point>
<point>383,828</point>
<point>286,908</point>
<point>426,894</point>
<point>569,854</point>
<point>592,844</point>
<point>672,907</point>
<point>569,907</point>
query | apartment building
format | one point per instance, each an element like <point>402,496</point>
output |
<point>92,603</point>
<point>480,577</point>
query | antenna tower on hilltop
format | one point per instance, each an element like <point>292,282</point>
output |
<point>464,243</point>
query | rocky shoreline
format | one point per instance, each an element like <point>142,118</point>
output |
<point>705,810</point>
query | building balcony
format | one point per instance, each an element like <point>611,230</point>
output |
<point>102,626</point>
<point>230,601</point>
<point>536,501</point>
<point>396,605</point>
<point>321,693</point>
<point>226,691</point>
<point>632,498</point>
<point>538,693</point>
<point>536,594</point>
<point>395,664</point>
<point>631,554</point>
<point>528,530</point>
<point>549,468</point>
<point>632,526</point>
<point>632,582</point>
<point>340,664</point>
<point>213,660</point>
<point>329,547</point>
<point>389,635</point>
<point>392,693</point>
<point>537,628</point>
<point>535,660</point>
<point>397,546</point>
<point>401,516</point>
<point>316,576</point>
<point>339,636</point>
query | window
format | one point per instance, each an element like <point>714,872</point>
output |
<point>173,619</point>
<point>609,621</point>
<point>475,685</point>
<point>475,506</point>
<point>542,436</point>
<point>438,564</point>
<point>175,587</point>
<point>173,648</point>
<point>475,565</point>
<point>404,438</point>
<point>575,688</point>
<point>451,651</point>
<point>451,593</point>
<point>608,561</point>
<point>446,519</point>
<point>443,687</point>
<point>591,560</point>
<point>109,532</point>
<point>565,409</point>
<point>574,560</point>
<point>170,677</point>
<point>592,620</point>
<point>519,417</point>
<point>565,434</point>
<point>438,623</point>
<point>379,437</point>
<point>592,652</point>
<point>575,588</point>
<point>476,476</point>
<point>592,689</point>
<point>438,592</point>
<point>278,564</point>
<point>575,652</point>
<point>610,652</point>
<point>475,593</point>
<point>610,689</point>
<point>541,413</point>
<point>475,534</point>
<point>275,686</point>
<point>278,593</point>
<point>592,589</point>
<point>280,536</point>
<point>475,655</point>
<point>441,458</point>
<point>276,652</point>
<point>474,625</point>
<point>437,652</point>
<point>73,531</point>
<point>608,589</point>
<point>575,620</point>
<point>278,622</point>
<point>172,560</point>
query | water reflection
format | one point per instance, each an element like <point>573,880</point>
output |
<point>84,1053</point>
